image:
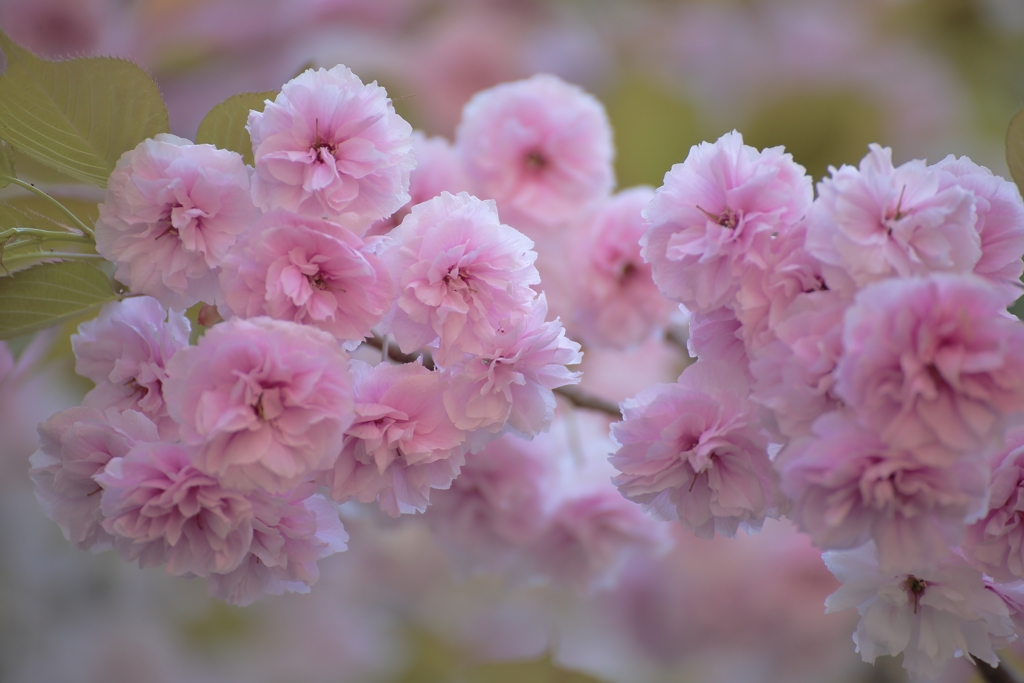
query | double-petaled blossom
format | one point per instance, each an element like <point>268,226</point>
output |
<point>266,402</point>
<point>310,271</point>
<point>401,444</point>
<point>878,221</point>
<point>459,271</point>
<point>931,614</point>
<point>693,451</point>
<point>330,145</point>
<point>124,350</point>
<point>932,362</point>
<point>77,444</point>
<point>995,543</point>
<point>715,215</point>
<point>171,213</point>
<point>160,509</point>
<point>540,147</point>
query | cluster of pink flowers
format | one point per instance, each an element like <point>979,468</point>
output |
<point>856,371</point>
<point>228,458</point>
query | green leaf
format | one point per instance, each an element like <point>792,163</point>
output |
<point>12,216</point>
<point>77,116</point>
<point>1015,149</point>
<point>224,126</point>
<point>51,294</point>
<point>6,163</point>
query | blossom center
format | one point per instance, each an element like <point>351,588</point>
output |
<point>535,161</point>
<point>728,219</point>
<point>914,588</point>
<point>317,281</point>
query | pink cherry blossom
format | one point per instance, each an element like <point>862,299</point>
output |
<point>1000,224</point>
<point>309,271</point>
<point>459,272</point>
<point>879,221</point>
<point>124,350</point>
<point>289,534</point>
<point>693,452</point>
<point>160,509</point>
<point>995,543</point>
<point>618,304</point>
<point>77,444</point>
<point>266,401</point>
<point>717,335</point>
<point>716,213</point>
<point>330,145</point>
<point>540,147</point>
<point>848,487</point>
<point>510,381</point>
<point>930,614</point>
<point>933,360</point>
<point>171,213</point>
<point>402,443</point>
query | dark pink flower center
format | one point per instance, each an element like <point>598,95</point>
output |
<point>914,588</point>
<point>728,219</point>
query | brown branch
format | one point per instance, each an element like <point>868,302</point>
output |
<point>574,395</point>
<point>991,674</point>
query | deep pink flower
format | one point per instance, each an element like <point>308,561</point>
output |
<point>401,444</point>
<point>717,335</point>
<point>77,444</point>
<point>124,350</point>
<point>849,487</point>
<point>459,272</point>
<point>540,147</point>
<point>290,533</point>
<point>159,508</point>
<point>329,145</point>
<point>509,382</point>
<point>171,212</point>
<point>266,401</point>
<point>309,271</point>
<point>995,543</point>
<point>716,213</point>
<point>932,360</point>
<point>879,221</point>
<point>693,452</point>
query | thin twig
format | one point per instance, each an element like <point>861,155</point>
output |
<point>63,209</point>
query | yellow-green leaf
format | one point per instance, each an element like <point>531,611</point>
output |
<point>6,163</point>
<point>77,116</point>
<point>224,126</point>
<point>1015,149</point>
<point>49,294</point>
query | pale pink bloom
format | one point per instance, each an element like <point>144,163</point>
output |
<point>329,145</point>
<point>931,614</point>
<point>618,304</point>
<point>849,487</point>
<point>715,215</point>
<point>160,509</point>
<point>309,271</point>
<point>289,534</point>
<point>77,444</point>
<point>717,335</point>
<point>509,382</point>
<point>540,147</point>
<point>693,452</point>
<point>877,221</point>
<point>266,401</point>
<point>459,272</point>
<point>995,544</point>
<point>124,350</point>
<point>1000,224</point>
<point>402,443</point>
<point>932,360</point>
<point>171,213</point>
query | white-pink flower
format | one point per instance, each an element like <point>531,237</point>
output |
<point>540,147</point>
<point>879,221</point>
<point>160,509</point>
<point>402,443</point>
<point>77,444</point>
<point>330,145</point>
<point>932,361</point>
<point>265,401</point>
<point>716,213</point>
<point>171,213</point>
<point>995,543</point>
<point>309,271</point>
<point>124,350</point>
<point>509,382</point>
<point>694,452</point>
<point>459,272</point>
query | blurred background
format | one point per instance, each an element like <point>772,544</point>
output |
<point>822,77</point>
